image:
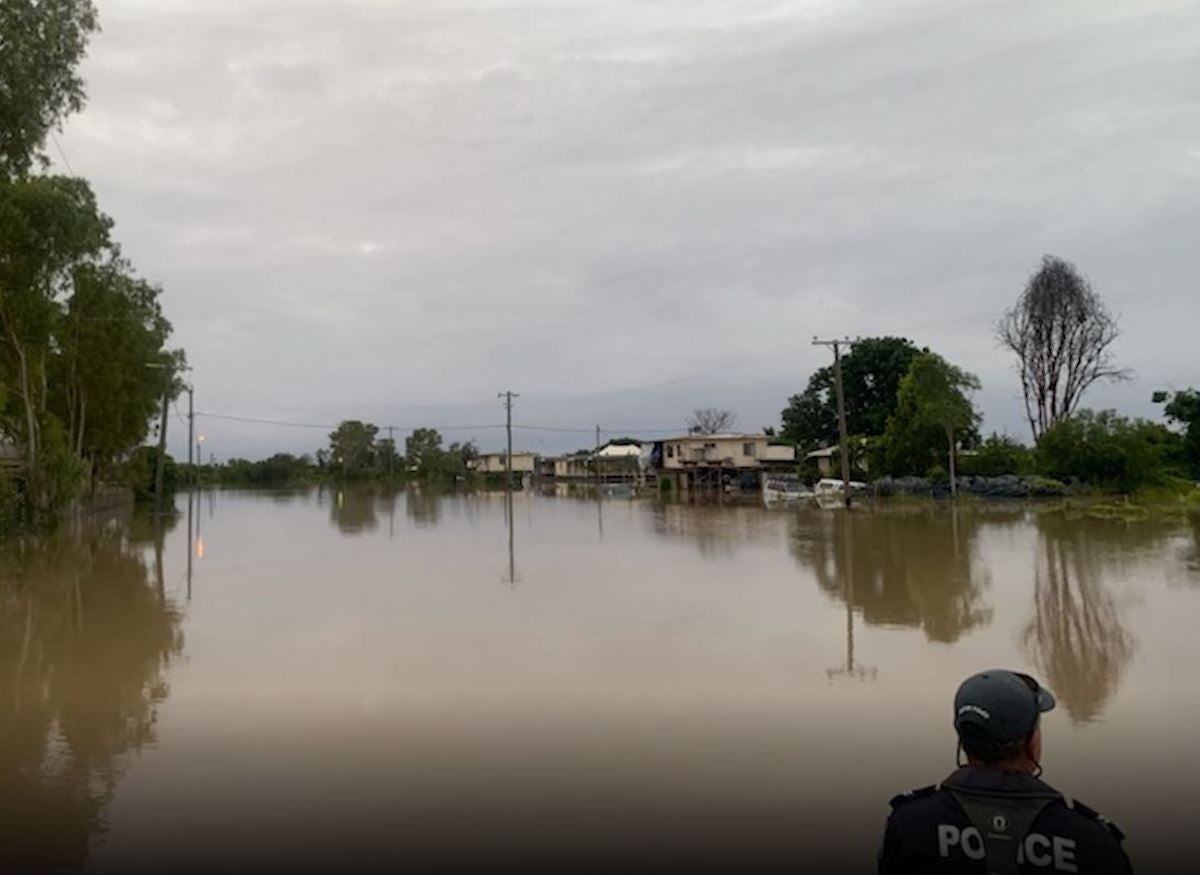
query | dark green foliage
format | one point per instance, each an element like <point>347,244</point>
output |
<point>101,388</point>
<point>932,411</point>
<point>428,461</point>
<point>997,456</point>
<point>352,449</point>
<point>423,452</point>
<point>280,469</point>
<point>1184,410</point>
<point>140,473</point>
<point>871,375</point>
<point>1107,451</point>
<point>41,44</point>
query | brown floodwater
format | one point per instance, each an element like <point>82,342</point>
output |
<point>348,680</point>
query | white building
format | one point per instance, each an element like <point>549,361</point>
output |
<point>741,451</point>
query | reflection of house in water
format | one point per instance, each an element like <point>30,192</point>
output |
<point>1076,636</point>
<point>915,567</point>
<point>85,641</point>
<point>716,531</point>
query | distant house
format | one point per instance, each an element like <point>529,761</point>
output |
<point>736,451</point>
<point>828,459</point>
<point>495,463</point>
<point>572,467</point>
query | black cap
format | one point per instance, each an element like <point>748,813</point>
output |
<point>1000,705</point>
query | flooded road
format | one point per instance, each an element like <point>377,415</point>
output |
<point>357,680</point>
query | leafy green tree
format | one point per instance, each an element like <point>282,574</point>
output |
<point>932,411</point>
<point>41,45</point>
<point>1184,410</point>
<point>1107,450</point>
<point>140,473</point>
<point>48,226</point>
<point>352,448</point>
<point>871,375</point>
<point>423,452</point>
<point>102,390</point>
<point>388,459</point>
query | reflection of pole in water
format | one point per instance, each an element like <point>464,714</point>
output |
<point>189,547</point>
<point>600,512</point>
<point>158,558</point>
<point>850,669</point>
<point>512,559</point>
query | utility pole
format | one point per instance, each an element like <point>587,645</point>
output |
<point>596,461</point>
<point>843,441</point>
<point>391,452</point>
<point>191,428</point>
<point>162,448</point>
<point>508,401</point>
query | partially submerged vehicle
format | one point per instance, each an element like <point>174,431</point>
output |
<point>784,489</point>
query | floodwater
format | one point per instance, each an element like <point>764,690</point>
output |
<point>353,680</point>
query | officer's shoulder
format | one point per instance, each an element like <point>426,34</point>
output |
<point>913,795</point>
<point>1093,816</point>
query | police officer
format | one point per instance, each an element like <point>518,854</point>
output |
<point>993,815</point>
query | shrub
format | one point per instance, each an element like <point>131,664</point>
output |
<point>1106,450</point>
<point>997,456</point>
<point>141,472</point>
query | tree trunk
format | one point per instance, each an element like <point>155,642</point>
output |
<point>30,410</point>
<point>953,474</point>
<point>82,424</point>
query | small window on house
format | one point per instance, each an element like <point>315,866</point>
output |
<point>670,451</point>
<point>748,450</point>
<point>710,445</point>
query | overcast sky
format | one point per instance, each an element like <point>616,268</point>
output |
<point>622,209</point>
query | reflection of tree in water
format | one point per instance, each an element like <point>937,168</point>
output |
<point>910,567</point>
<point>85,640</point>
<point>1076,637</point>
<point>423,507</point>
<point>1190,554</point>
<point>353,510</point>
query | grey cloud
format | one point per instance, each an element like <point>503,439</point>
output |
<point>360,206</point>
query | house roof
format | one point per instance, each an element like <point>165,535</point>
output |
<point>621,450</point>
<point>823,453</point>
<point>722,436</point>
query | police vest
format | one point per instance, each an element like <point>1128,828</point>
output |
<point>991,820</point>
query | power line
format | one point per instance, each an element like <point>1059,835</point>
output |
<point>62,154</point>
<point>285,424</point>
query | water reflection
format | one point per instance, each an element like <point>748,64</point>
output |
<point>86,636</point>
<point>511,578</point>
<point>423,506</point>
<point>715,531</point>
<point>1189,555</point>
<point>910,567</point>
<point>1076,637</point>
<point>353,511</point>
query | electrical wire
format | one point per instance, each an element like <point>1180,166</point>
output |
<point>62,154</point>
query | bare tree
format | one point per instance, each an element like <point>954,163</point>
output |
<point>1061,332</point>
<point>709,420</point>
